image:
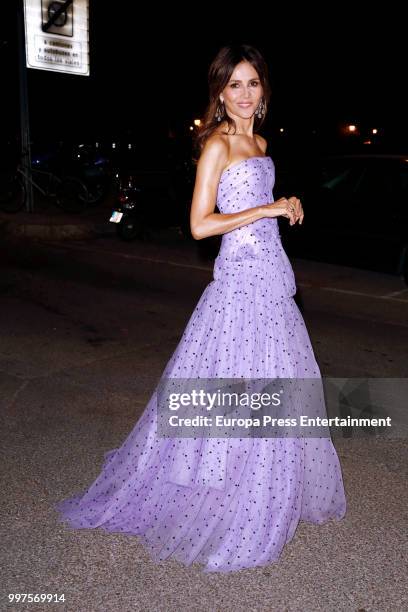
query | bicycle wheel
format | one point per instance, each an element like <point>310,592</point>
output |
<point>71,195</point>
<point>12,194</point>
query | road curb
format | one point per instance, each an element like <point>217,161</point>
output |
<point>47,229</point>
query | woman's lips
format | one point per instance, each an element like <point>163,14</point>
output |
<point>244,104</point>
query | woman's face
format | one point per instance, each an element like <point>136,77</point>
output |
<point>243,92</point>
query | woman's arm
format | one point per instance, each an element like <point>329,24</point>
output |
<point>204,221</point>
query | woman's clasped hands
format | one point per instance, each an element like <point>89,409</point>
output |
<point>286,207</point>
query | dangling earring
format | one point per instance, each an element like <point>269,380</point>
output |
<point>260,111</point>
<point>219,112</point>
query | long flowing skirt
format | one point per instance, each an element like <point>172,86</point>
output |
<point>227,503</point>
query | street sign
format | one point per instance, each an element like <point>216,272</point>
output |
<point>57,35</point>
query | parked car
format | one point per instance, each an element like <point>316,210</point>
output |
<point>356,211</point>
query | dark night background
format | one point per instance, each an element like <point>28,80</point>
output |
<point>92,310</point>
<point>149,71</point>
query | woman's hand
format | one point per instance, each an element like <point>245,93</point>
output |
<point>286,207</point>
<point>299,214</point>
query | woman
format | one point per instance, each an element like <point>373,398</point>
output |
<point>229,503</point>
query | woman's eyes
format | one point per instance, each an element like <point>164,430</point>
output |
<point>254,83</point>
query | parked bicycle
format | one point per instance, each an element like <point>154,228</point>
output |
<point>67,192</point>
<point>93,168</point>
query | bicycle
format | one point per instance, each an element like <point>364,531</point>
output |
<point>68,192</point>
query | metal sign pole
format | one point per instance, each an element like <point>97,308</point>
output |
<point>24,110</point>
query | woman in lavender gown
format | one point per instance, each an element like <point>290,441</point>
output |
<point>227,503</point>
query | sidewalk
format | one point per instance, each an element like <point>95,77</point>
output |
<point>54,223</point>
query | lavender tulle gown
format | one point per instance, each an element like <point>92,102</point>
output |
<point>226,503</point>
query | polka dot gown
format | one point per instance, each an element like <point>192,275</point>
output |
<point>225,503</point>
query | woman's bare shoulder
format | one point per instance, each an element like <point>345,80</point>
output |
<point>217,142</point>
<point>262,142</point>
<point>215,150</point>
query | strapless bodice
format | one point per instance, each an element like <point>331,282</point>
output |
<point>255,248</point>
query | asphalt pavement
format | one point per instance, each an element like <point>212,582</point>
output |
<point>83,344</point>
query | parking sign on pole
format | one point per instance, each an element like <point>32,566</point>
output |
<point>57,35</point>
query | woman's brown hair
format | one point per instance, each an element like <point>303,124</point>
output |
<point>219,74</point>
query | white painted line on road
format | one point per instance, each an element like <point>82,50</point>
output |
<point>389,296</point>
<point>162,261</point>
<point>129,256</point>
<point>362,294</point>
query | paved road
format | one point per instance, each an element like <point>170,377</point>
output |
<point>86,329</point>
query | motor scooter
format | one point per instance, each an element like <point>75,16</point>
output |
<point>128,213</point>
